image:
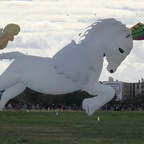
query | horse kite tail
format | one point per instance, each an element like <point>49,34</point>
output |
<point>11,55</point>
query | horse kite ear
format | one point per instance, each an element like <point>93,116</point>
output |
<point>8,33</point>
<point>138,31</point>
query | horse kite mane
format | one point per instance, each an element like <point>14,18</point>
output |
<point>103,25</point>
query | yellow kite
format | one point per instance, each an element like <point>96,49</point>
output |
<point>7,34</point>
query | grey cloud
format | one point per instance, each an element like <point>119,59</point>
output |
<point>29,42</point>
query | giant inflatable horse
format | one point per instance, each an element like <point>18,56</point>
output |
<point>75,67</point>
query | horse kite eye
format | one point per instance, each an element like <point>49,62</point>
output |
<point>127,36</point>
<point>121,50</point>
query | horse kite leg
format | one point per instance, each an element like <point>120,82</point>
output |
<point>11,93</point>
<point>104,94</point>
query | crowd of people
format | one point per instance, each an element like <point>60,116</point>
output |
<point>116,107</point>
<point>130,107</point>
<point>41,106</point>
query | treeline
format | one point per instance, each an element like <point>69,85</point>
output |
<point>33,97</point>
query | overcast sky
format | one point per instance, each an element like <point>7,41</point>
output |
<point>48,25</point>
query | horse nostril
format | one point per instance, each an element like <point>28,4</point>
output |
<point>111,71</point>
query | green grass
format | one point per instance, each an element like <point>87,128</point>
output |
<point>20,127</point>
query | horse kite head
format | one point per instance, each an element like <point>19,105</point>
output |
<point>118,44</point>
<point>119,47</point>
<point>113,38</point>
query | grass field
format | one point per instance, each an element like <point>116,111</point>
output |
<point>21,127</point>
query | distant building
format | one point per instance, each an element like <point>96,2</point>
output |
<point>126,90</point>
<point>116,85</point>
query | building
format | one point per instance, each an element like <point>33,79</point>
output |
<point>116,85</point>
<point>126,90</point>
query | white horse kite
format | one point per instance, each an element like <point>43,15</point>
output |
<point>75,67</point>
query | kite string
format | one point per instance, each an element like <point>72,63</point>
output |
<point>124,5</point>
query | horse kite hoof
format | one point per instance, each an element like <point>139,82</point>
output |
<point>87,107</point>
